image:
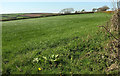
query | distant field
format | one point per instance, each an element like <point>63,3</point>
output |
<point>70,44</point>
<point>23,15</point>
<point>19,16</point>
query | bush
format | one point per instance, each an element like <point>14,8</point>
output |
<point>67,10</point>
<point>94,9</point>
<point>83,10</point>
<point>104,8</point>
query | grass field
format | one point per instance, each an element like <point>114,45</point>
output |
<point>70,44</point>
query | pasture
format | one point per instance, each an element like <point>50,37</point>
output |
<point>69,44</point>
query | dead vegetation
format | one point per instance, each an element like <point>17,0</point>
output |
<point>114,45</point>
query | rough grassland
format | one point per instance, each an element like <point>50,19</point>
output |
<point>68,44</point>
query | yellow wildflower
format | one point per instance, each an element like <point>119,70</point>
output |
<point>39,69</point>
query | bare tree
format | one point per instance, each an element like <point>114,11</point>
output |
<point>67,10</point>
<point>113,3</point>
<point>118,4</point>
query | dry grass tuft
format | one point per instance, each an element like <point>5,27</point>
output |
<point>114,21</point>
<point>114,45</point>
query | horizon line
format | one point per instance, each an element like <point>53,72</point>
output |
<point>56,1</point>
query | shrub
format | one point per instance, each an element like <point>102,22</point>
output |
<point>94,9</point>
<point>67,10</point>
<point>104,8</point>
<point>83,10</point>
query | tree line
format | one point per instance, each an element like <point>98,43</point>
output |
<point>70,10</point>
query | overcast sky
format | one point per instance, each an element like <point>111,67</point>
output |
<point>56,0</point>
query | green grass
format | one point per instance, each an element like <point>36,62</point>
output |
<point>73,39</point>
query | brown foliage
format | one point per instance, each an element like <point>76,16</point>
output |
<point>104,8</point>
<point>114,20</point>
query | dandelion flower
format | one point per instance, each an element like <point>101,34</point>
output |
<point>39,69</point>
